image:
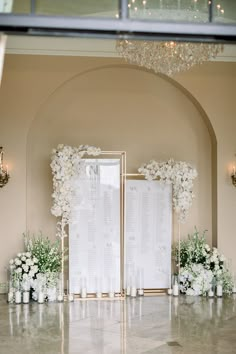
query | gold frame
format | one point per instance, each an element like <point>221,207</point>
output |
<point>154,291</point>
<point>121,294</point>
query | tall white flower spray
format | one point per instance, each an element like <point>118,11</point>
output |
<point>66,162</point>
<point>180,175</point>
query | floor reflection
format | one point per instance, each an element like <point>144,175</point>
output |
<point>161,325</point>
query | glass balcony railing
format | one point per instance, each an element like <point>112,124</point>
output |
<point>183,10</point>
<point>104,8</point>
<point>223,11</point>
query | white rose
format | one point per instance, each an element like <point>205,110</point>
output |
<point>19,270</point>
<point>11,261</point>
<point>19,255</point>
<point>23,258</point>
<point>28,254</point>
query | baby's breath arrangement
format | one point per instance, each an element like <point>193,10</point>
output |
<point>47,252</point>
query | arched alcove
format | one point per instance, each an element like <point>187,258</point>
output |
<point>122,108</point>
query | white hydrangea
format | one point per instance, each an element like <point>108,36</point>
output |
<point>28,262</point>
<point>26,268</point>
<point>195,280</point>
<point>180,175</point>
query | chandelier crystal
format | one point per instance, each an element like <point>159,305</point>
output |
<point>170,57</point>
<point>167,58</point>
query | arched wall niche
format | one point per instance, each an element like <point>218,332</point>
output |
<point>120,107</point>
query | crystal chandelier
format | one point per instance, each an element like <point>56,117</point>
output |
<point>170,57</point>
<point>167,58</point>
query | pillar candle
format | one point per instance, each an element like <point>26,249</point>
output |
<point>133,291</point>
<point>26,297</point>
<point>140,292</point>
<point>70,297</point>
<point>175,289</point>
<point>10,296</point>
<point>84,293</point>
<point>210,293</point>
<point>18,297</point>
<point>128,291</point>
<point>40,297</point>
<point>219,290</point>
<point>60,297</point>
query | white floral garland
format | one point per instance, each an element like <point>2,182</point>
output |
<point>66,163</point>
<point>178,173</point>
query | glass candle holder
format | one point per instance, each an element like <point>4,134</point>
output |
<point>26,290</point>
<point>219,290</point>
<point>10,293</point>
<point>175,285</point>
<point>41,295</point>
<point>26,297</point>
<point>18,295</point>
<point>133,291</point>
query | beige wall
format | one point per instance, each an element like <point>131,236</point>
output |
<point>49,100</point>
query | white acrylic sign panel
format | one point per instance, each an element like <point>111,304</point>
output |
<point>148,234</point>
<point>94,233</point>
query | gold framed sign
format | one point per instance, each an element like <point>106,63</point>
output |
<point>148,235</point>
<point>96,229</point>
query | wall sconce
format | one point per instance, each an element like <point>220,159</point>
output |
<point>4,175</point>
<point>233,176</point>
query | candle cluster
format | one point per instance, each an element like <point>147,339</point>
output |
<point>135,282</point>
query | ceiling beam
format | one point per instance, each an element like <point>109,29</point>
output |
<point>116,28</point>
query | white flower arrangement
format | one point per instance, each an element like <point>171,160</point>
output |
<point>201,267</point>
<point>180,175</point>
<point>66,162</point>
<point>39,267</point>
<point>48,253</point>
<point>24,267</point>
<point>195,280</point>
<point>46,282</point>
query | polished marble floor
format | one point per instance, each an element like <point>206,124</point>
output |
<point>160,325</point>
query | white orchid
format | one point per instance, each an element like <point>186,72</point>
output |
<point>66,162</point>
<point>181,175</point>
